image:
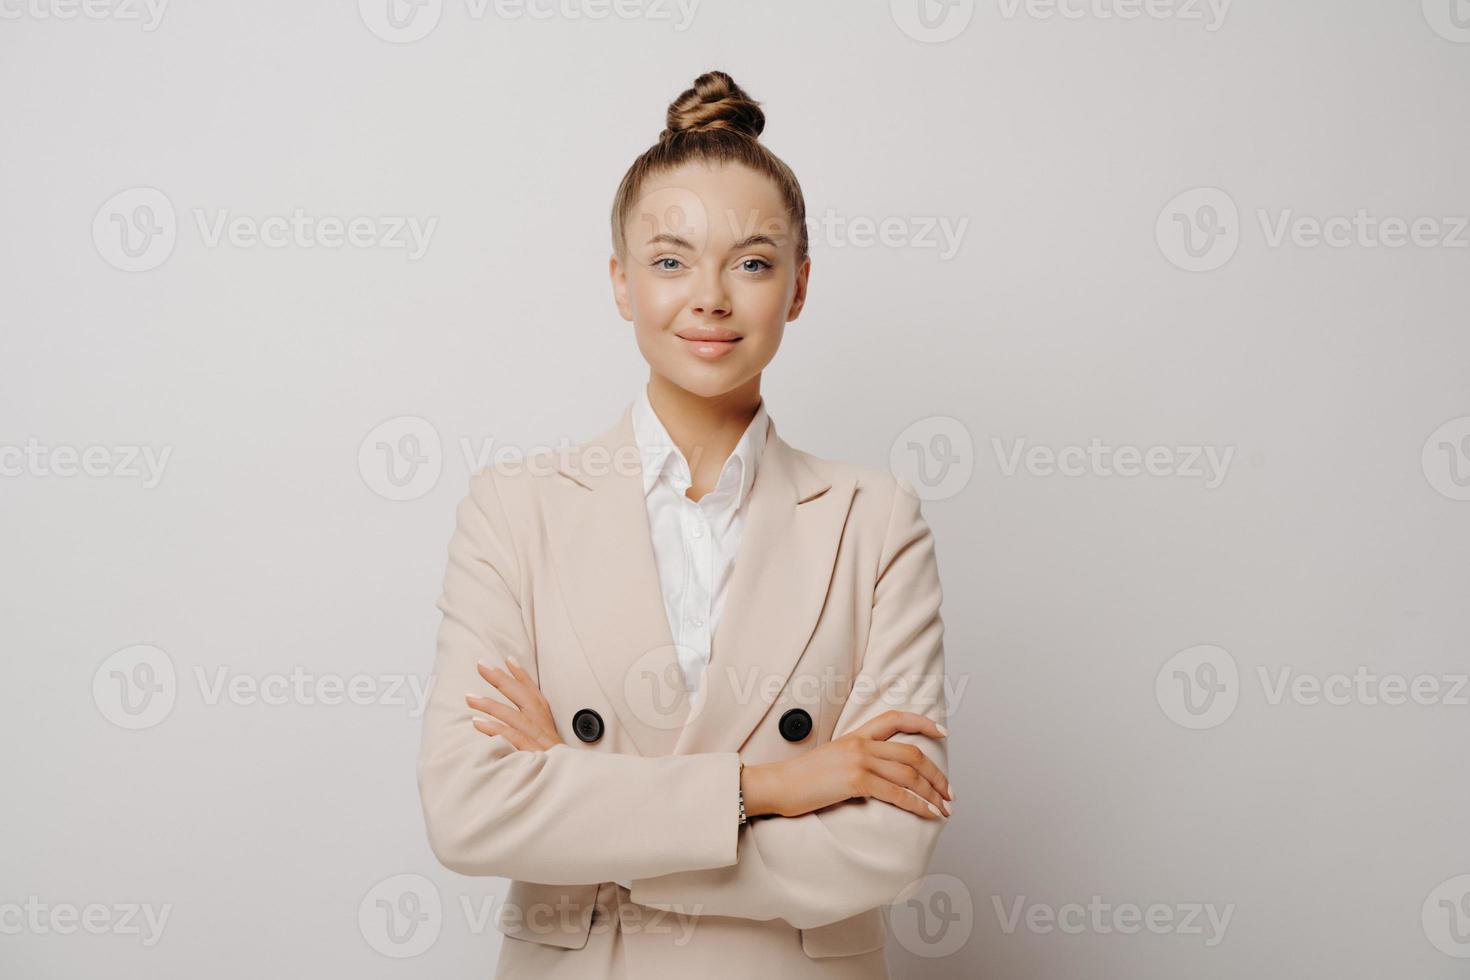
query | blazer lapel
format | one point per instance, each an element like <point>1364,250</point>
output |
<point>602,552</point>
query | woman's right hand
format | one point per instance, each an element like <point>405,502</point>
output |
<point>861,763</point>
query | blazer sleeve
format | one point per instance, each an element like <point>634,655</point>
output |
<point>831,864</point>
<point>491,809</point>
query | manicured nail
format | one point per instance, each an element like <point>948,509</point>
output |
<point>951,789</point>
<point>510,658</point>
<point>934,808</point>
<point>942,729</point>
<point>947,810</point>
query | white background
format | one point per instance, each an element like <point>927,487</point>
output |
<point>1336,540</point>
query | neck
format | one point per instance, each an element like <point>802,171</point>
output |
<point>705,429</point>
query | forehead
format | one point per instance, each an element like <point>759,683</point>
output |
<point>708,205</point>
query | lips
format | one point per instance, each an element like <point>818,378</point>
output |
<point>719,336</point>
<point>708,345</point>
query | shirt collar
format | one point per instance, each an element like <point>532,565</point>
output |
<point>659,454</point>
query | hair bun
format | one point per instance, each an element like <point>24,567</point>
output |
<point>714,103</point>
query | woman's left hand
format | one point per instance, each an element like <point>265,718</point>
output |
<point>529,725</point>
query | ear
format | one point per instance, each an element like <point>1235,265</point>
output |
<point>619,278</point>
<point>798,299</point>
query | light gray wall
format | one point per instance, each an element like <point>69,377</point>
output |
<point>1324,542</point>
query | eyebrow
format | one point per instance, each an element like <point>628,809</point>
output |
<point>667,239</point>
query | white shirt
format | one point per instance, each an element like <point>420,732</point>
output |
<point>694,542</point>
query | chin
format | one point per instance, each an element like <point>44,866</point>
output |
<point>707,384</point>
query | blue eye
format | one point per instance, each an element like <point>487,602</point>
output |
<point>761,265</point>
<point>658,263</point>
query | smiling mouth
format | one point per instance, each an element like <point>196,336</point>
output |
<point>707,347</point>
<point>723,338</point>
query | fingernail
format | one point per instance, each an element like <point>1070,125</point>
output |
<point>470,695</point>
<point>951,789</point>
<point>934,808</point>
<point>947,810</point>
<point>510,658</point>
<point>942,729</point>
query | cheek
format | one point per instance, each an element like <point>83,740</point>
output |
<point>652,297</point>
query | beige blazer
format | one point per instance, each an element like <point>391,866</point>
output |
<point>832,614</point>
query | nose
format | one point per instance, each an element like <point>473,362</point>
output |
<point>710,296</point>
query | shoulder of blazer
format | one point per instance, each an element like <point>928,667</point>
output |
<point>875,487</point>
<point>518,482</point>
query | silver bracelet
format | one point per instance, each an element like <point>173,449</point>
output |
<point>741,791</point>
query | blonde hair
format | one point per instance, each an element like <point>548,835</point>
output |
<point>713,122</point>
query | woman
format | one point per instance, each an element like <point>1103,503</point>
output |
<point>686,762</point>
